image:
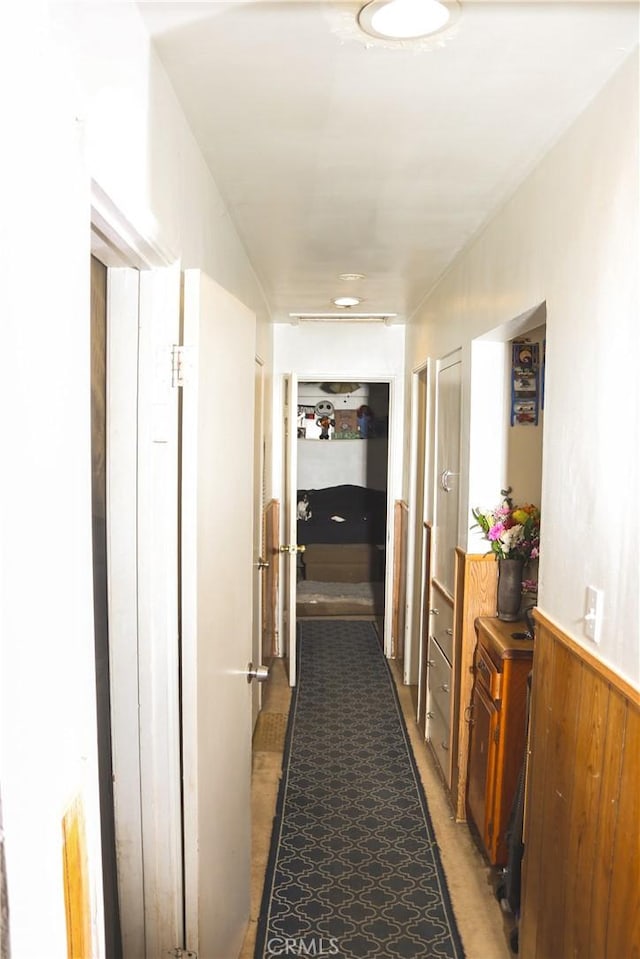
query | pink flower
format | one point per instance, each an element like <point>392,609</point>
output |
<point>535,552</point>
<point>496,531</point>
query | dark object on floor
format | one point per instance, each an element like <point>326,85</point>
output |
<point>354,867</point>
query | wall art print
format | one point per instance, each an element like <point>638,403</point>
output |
<point>525,378</point>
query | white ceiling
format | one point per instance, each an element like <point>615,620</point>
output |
<point>338,153</point>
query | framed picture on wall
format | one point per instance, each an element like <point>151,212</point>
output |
<point>525,373</point>
<point>346,427</point>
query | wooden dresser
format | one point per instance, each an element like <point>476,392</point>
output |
<point>497,718</point>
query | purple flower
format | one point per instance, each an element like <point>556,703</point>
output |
<point>496,531</point>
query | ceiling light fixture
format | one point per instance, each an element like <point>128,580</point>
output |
<point>345,302</point>
<point>403,19</point>
<point>351,276</point>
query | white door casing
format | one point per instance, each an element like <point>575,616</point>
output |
<point>289,577</point>
<point>258,530</point>
<point>158,646</point>
<point>142,463</point>
<point>418,506</point>
<point>216,573</point>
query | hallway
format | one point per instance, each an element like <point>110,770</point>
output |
<point>483,928</point>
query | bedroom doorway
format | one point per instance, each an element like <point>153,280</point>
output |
<point>342,444</point>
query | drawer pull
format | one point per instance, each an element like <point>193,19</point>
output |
<point>449,631</point>
<point>434,612</point>
<point>429,715</point>
<point>445,746</point>
<point>468,714</point>
<point>431,663</point>
<point>444,687</point>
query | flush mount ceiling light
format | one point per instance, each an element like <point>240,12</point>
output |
<point>405,19</point>
<point>351,276</point>
<point>346,301</point>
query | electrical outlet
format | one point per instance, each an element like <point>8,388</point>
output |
<point>593,613</point>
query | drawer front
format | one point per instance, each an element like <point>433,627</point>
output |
<point>438,734</point>
<point>487,673</point>
<point>439,679</point>
<point>441,626</point>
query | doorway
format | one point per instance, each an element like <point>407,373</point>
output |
<point>342,437</point>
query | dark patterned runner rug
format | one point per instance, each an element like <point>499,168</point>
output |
<point>354,868</point>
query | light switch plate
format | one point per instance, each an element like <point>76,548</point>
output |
<point>593,613</point>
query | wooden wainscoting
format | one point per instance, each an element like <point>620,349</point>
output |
<point>400,525</point>
<point>476,579</point>
<point>581,870</point>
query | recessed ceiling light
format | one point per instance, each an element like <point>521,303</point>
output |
<point>351,276</point>
<point>346,301</point>
<point>405,19</point>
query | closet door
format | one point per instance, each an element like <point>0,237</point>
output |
<point>440,662</point>
<point>447,478</point>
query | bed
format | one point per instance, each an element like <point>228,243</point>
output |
<point>343,529</point>
<point>343,514</point>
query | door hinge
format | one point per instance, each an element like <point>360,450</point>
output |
<point>179,953</point>
<point>177,366</point>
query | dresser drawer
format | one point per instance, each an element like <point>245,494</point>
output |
<point>439,677</point>
<point>438,734</point>
<point>441,626</point>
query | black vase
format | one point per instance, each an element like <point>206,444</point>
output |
<point>509,588</point>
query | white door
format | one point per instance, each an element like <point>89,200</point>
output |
<point>447,470</point>
<point>216,573</point>
<point>289,549</point>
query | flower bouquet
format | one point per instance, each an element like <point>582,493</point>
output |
<point>514,534</point>
<point>513,531</point>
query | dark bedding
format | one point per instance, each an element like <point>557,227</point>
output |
<point>361,512</point>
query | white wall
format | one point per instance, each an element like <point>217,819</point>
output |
<point>87,99</point>
<point>569,236</point>
<point>336,462</point>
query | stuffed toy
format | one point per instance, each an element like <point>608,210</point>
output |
<point>324,412</point>
<point>325,425</point>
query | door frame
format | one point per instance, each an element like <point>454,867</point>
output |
<point>259,497</point>
<point>129,256</point>
<point>394,491</point>
<point>414,622</point>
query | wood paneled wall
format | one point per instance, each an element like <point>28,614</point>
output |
<point>581,869</point>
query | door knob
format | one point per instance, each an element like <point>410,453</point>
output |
<point>292,548</point>
<point>259,673</point>
<point>445,480</point>
<point>262,563</point>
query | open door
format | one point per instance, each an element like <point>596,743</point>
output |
<point>289,549</point>
<point>216,575</point>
